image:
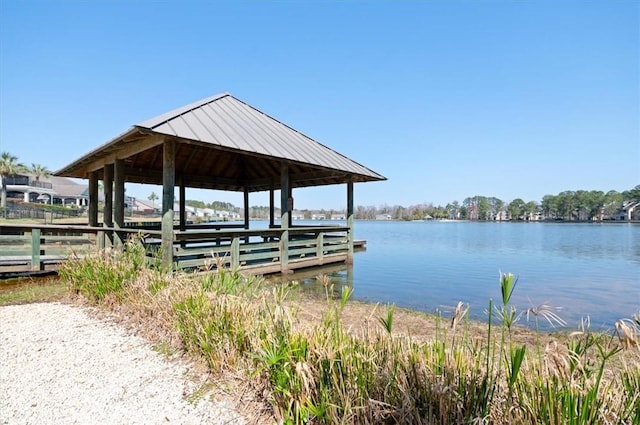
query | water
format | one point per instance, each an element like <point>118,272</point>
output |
<point>587,269</point>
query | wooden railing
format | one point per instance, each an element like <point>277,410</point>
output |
<point>260,251</point>
<point>35,246</point>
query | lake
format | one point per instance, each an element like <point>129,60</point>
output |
<point>587,269</point>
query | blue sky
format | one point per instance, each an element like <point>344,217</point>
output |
<point>447,99</point>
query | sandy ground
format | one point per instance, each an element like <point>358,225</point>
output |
<point>61,365</point>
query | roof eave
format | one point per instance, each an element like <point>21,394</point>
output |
<point>72,169</point>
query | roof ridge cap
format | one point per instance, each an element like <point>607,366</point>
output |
<point>163,118</point>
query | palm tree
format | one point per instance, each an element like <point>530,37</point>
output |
<point>39,171</point>
<point>9,166</point>
<point>153,198</point>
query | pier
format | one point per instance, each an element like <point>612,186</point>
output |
<point>37,248</point>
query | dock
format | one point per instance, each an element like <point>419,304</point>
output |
<point>38,248</point>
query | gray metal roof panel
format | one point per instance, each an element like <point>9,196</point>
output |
<point>226,121</point>
<point>178,111</point>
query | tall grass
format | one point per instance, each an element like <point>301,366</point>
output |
<point>332,373</point>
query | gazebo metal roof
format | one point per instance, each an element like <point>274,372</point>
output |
<point>222,143</point>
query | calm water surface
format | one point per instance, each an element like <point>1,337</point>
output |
<point>587,269</point>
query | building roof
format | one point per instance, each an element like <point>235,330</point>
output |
<point>222,143</point>
<point>68,188</point>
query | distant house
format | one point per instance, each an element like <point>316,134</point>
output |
<point>501,216</point>
<point>630,210</point>
<point>222,215</point>
<point>318,216</point>
<point>297,215</point>
<point>190,212</point>
<point>383,217</point>
<point>536,216</point>
<point>338,217</point>
<point>144,207</point>
<point>207,213</point>
<point>47,190</point>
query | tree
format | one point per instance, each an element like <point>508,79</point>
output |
<point>566,204</point>
<point>595,204</point>
<point>453,210</point>
<point>549,206</point>
<point>632,195</point>
<point>516,209</point>
<point>39,171</point>
<point>530,209</point>
<point>484,208</point>
<point>496,207</point>
<point>612,203</point>
<point>153,198</point>
<point>471,211</point>
<point>9,166</point>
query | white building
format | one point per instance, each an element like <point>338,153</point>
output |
<point>25,187</point>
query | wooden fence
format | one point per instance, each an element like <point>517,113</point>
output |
<point>36,247</point>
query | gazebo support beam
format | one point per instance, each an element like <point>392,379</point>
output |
<point>168,187</point>
<point>107,215</point>
<point>284,219</point>
<point>118,200</point>
<point>246,208</point>
<point>93,199</point>
<point>290,205</point>
<point>183,205</point>
<point>350,219</point>
<point>272,213</point>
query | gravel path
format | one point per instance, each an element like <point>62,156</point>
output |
<point>59,365</point>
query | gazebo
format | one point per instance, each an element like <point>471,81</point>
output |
<point>223,143</point>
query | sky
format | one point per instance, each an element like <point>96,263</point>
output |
<point>447,99</point>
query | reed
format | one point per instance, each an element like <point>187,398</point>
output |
<point>331,372</point>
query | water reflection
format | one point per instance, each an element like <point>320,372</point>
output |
<point>311,282</point>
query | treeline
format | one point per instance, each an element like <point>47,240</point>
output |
<point>580,205</point>
<point>215,205</point>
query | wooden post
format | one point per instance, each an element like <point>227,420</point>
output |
<point>246,212</point>
<point>183,210</point>
<point>290,204</point>
<point>284,219</point>
<point>118,202</point>
<point>168,187</point>
<point>320,247</point>
<point>272,212</point>
<point>350,219</point>
<point>183,206</point>
<point>235,252</point>
<point>107,214</point>
<point>35,250</point>
<point>100,240</point>
<point>246,208</point>
<point>93,199</point>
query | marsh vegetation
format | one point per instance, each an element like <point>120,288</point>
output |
<point>338,361</point>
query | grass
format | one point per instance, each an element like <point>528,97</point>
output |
<point>338,364</point>
<point>43,290</point>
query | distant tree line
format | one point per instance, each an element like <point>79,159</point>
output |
<point>580,205</point>
<point>215,205</point>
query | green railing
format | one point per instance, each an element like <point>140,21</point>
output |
<point>263,251</point>
<point>34,246</point>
